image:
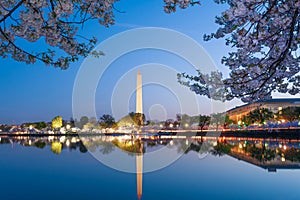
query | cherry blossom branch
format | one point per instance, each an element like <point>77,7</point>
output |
<point>11,11</point>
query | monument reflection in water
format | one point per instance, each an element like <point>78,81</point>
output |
<point>269,154</point>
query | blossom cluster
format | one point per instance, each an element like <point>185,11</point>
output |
<point>265,40</point>
<point>54,21</point>
<point>171,5</point>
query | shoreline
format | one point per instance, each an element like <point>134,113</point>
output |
<point>273,133</point>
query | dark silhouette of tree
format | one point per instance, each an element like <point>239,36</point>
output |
<point>289,113</point>
<point>72,122</point>
<point>107,121</point>
<point>106,147</point>
<point>292,154</point>
<point>204,120</point>
<point>260,115</point>
<point>40,144</point>
<point>262,154</point>
<point>82,148</point>
<point>169,124</point>
<point>192,147</point>
<point>178,119</point>
<point>37,125</point>
<point>218,119</point>
<point>137,118</point>
<point>221,148</point>
<point>247,120</point>
<point>83,120</point>
<point>228,121</point>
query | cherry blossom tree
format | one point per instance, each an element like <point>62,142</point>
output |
<point>56,22</point>
<point>171,5</point>
<point>265,38</point>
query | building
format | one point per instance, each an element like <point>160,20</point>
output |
<point>139,93</point>
<point>274,105</point>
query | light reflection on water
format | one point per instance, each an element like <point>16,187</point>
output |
<point>232,164</point>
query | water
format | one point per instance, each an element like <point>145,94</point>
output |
<point>210,168</point>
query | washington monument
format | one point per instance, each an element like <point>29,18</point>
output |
<point>139,94</point>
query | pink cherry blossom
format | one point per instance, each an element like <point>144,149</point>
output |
<point>55,22</point>
<point>264,36</point>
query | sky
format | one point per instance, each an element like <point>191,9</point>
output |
<point>39,93</point>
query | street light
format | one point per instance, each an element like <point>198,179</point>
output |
<point>68,126</point>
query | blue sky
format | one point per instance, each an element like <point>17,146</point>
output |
<point>36,92</point>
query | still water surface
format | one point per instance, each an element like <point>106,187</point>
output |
<point>209,168</point>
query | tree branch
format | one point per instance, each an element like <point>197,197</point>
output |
<point>11,11</point>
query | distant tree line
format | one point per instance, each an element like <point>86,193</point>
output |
<point>263,115</point>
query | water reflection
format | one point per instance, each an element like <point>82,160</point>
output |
<point>267,153</point>
<point>270,154</point>
<point>56,143</point>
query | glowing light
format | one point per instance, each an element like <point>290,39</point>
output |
<point>283,159</point>
<point>68,126</point>
<point>62,130</point>
<point>171,125</point>
<point>240,146</point>
<point>186,125</point>
<point>30,142</point>
<point>30,127</point>
<point>62,139</point>
<point>239,122</point>
<point>280,145</point>
<point>50,138</point>
<point>68,142</point>
<point>73,140</point>
<point>283,120</point>
<point>284,147</point>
